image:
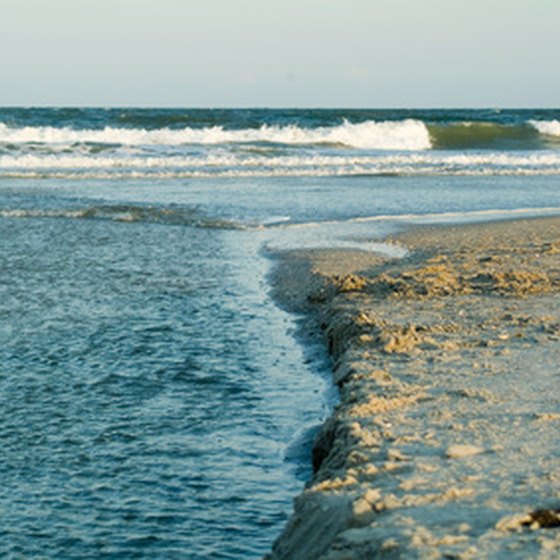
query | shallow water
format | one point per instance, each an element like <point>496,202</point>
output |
<point>149,391</point>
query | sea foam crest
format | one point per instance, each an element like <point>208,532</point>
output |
<point>552,128</point>
<point>409,134</point>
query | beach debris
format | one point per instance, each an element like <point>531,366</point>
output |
<point>537,519</point>
<point>543,519</point>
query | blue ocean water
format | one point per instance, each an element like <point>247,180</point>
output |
<point>155,401</point>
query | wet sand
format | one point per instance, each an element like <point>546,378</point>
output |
<point>445,442</point>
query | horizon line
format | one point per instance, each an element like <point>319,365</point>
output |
<point>287,107</point>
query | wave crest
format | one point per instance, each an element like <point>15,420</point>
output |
<point>387,135</point>
<point>550,128</point>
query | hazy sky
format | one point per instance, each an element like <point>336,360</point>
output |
<point>324,53</point>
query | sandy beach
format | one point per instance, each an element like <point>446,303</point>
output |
<point>445,441</point>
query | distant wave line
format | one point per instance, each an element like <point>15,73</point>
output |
<point>278,173</point>
<point>52,161</point>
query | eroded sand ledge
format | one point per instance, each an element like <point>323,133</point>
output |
<point>446,440</point>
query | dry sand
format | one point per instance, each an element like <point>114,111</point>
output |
<point>445,442</point>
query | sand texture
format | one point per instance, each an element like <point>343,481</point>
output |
<point>446,439</point>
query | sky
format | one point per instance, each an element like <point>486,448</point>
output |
<point>288,53</point>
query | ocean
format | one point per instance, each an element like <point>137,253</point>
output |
<point>155,401</point>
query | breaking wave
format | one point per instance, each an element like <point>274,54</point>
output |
<point>550,128</point>
<point>389,135</point>
<point>399,135</point>
<point>403,146</point>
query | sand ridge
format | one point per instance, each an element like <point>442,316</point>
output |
<point>445,440</point>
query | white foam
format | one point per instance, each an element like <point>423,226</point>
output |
<point>442,162</point>
<point>274,220</point>
<point>388,135</point>
<point>236,164</point>
<point>431,217</point>
<point>30,213</point>
<point>551,128</point>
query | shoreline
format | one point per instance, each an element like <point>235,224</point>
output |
<point>444,441</point>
